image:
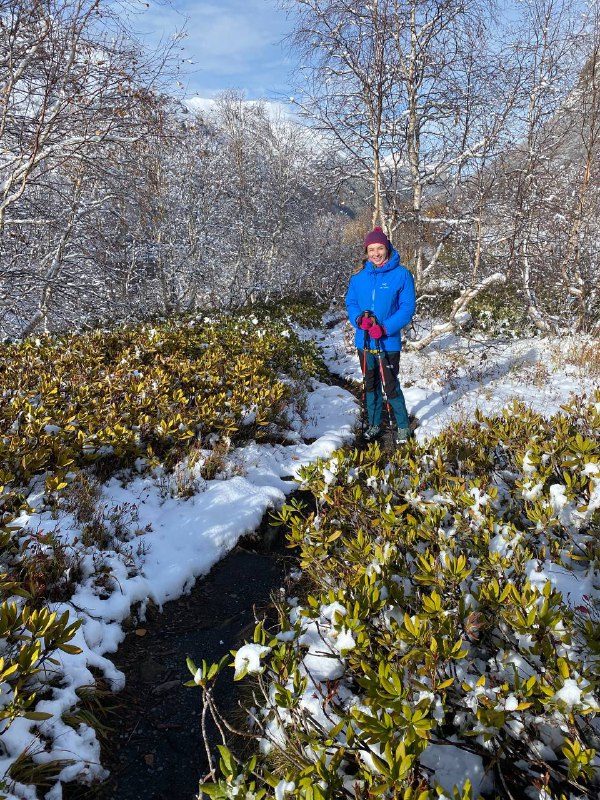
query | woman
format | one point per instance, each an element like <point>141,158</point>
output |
<point>380,302</point>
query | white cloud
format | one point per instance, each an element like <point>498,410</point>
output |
<point>207,104</point>
<point>229,44</point>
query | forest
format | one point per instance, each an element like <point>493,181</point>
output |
<point>469,133</point>
<point>176,371</point>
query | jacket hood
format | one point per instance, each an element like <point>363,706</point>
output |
<point>392,262</point>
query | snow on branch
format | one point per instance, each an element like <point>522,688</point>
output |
<point>459,306</point>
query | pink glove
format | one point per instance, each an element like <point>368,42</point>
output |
<point>364,322</point>
<point>376,331</point>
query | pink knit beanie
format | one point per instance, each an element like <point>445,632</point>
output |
<point>377,236</point>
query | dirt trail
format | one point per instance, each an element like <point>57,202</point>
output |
<point>155,749</point>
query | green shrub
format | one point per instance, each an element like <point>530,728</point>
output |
<point>168,392</point>
<point>142,391</point>
<point>439,613</point>
<point>502,313</point>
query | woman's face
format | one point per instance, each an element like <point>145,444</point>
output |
<point>377,253</point>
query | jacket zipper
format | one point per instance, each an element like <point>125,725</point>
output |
<point>374,274</point>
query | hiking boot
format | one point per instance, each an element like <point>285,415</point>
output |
<point>373,432</point>
<point>401,435</point>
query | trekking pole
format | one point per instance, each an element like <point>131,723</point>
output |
<point>382,376</point>
<point>364,390</point>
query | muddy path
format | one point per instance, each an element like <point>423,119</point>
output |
<point>154,750</point>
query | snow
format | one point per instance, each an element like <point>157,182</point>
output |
<point>174,540</point>
<point>344,641</point>
<point>247,659</point>
<point>332,610</point>
<point>283,788</point>
<point>454,376</point>
<point>575,587</point>
<point>452,766</point>
<point>569,694</point>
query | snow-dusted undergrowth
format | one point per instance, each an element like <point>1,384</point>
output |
<point>101,551</point>
<point>447,644</point>
<point>146,535</point>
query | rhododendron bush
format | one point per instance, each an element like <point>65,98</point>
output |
<point>448,642</point>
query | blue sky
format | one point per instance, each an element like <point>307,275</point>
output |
<point>232,44</point>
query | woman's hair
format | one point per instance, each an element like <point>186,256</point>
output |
<point>359,266</point>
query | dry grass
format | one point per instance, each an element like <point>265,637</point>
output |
<point>48,570</point>
<point>585,355</point>
<point>81,497</point>
<point>41,774</point>
<point>541,374</point>
<point>215,462</point>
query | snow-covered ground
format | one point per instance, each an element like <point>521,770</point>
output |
<point>453,376</point>
<point>175,540</point>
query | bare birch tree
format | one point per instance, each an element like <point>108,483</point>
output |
<point>410,92</point>
<point>73,89</point>
<point>454,111</point>
<point>580,274</point>
<point>542,52</point>
<point>349,86</point>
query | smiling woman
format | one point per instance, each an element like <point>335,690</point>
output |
<point>380,302</point>
<point>231,44</point>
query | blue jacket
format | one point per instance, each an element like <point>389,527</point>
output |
<point>389,293</point>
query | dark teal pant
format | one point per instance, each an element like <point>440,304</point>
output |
<point>373,370</point>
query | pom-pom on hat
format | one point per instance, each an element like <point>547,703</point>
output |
<point>377,236</point>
